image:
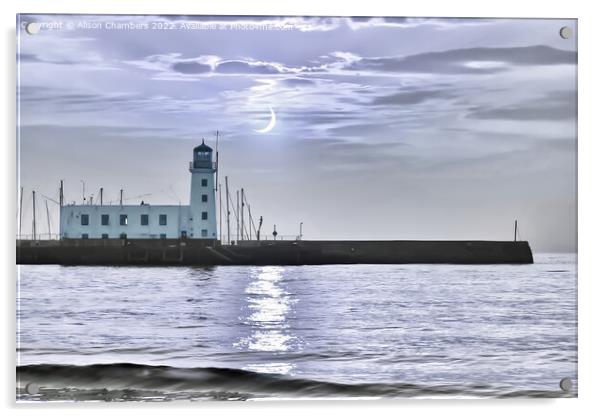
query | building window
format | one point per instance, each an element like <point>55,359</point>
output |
<point>84,236</point>
<point>123,219</point>
<point>183,234</point>
<point>204,215</point>
<point>162,219</point>
<point>85,219</point>
<point>163,236</point>
<point>204,182</point>
<point>204,233</point>
<point>204,198</point>
<point>144,219</point>
<point>123,236</point>
<point>104,219</point>
<point>105,235</point>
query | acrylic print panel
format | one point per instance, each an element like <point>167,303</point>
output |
<point>229,207</point>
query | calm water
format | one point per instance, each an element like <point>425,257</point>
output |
<point>254,332</point>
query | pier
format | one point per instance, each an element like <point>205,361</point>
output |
<point>269,252</point>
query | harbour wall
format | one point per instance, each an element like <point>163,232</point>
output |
<point>266,252</point>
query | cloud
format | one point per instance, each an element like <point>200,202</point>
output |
<point>191,67</point>
<point>248,67</point>
<point>34,58</point>
<point>455,61</point>
<point>364,22</point>
<point>102,107</point>
<point>524,113</point>
<point>296,23</point>
<point>467,61</point>
<point>22,57</point>
<point>300,23</point>
<point>412,97</point>
<point>294,82</point>
<point>174,63</point>
<point>312,118</point>
<point>554,106</point>
<point>165,64</point>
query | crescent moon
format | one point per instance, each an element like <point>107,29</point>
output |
<point>270,125</point>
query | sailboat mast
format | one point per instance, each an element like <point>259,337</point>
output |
<point>47,218</point>
<point>20,212</point>
<point>242,214</point>
<point>221,234</point>
<point>34,214</point>
<point>515,228</point>
<point>216,159</point>
<point>228,210</point>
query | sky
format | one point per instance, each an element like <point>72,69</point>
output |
<point>386,128</point>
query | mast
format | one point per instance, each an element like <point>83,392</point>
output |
<point>121,197</point>
<point>48,218</point>
<point>221,237</point>
<point>228,210</point>
<point>237,216</point>
<point>61,200</point>
<point>34,214</point>
<point>216,161</point>
<point>101,190</point>
<point>259,229</point>
<point>515,228</point>
<point>242,214</point>
<point>20,212</point>
<point>250,225</point>
<point>250,222</point>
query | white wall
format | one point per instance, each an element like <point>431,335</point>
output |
<point>71,227</point>
<point>197,206</point>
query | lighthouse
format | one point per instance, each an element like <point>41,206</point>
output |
<point>202,193</point>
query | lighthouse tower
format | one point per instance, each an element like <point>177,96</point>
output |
<point>202,194</point>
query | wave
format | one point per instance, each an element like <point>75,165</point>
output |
<point>136,382</point>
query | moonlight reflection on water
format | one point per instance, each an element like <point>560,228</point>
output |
<point>268,306</point>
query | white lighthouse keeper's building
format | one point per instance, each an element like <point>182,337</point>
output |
<point>146,221</point>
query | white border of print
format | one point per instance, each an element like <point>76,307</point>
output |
<point>589,201</point>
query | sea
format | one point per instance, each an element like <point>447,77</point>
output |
<point>87,333</point>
